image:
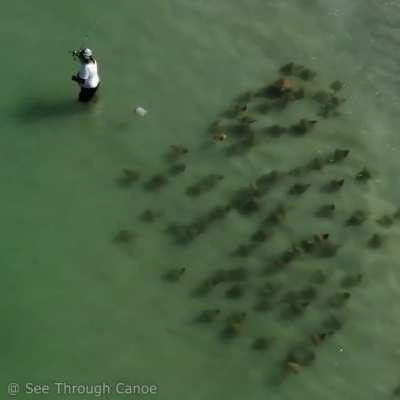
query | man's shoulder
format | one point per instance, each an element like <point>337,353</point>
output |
<point>84,67</point>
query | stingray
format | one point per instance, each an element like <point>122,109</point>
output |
<point>235,292</point>
<point>326,211</point>
<point>301,355</point>
<point>150,215</point>
<point>124,236</point>
<point>156,182</point>
<point>183,233</point>
<point>179,150</point>
<point>396,391</point>
<point>198,226</point>
<point>204,185</point>
<point>220,136</point>
<point>208,316</point>
<point>308,245</point>
<point>308,294</point>
<point>233,325</point>
<point>267,181</point>
<point>316,164</point>
<point>298,189</point>
<point>291,296</point>
<point>260,236</point>
<point>319,244</point>
<point>274,266</point>
<point>327,249</point>
<point>363,176</point>
<point>351,280</point>
<point>177,168</point>
<point>264,107</point>
<point>276,130</point>
<point>263,305</point>
<point>339,299</point>
<point>375,241</point>
<point>318,277</point>
<point>186,233</point>
<point>128,178</point>
<point>174,275</point>
<point>338,155</point>
<point>357,218</point>
<point>385,221</point>
<point>217,213</point>
<point>297,70</point>
<point>303,126</point>
<point>242,146</point>
<point>244,250</point>
<point>318,338</point>
<point>281,103</point>
<point>305,74</point>
<point>336,86</point>
<point>290,254</point>
<point>294,309</point>
<point>246,201</point>
<point>332,323</point>
<point>237,109</point>
<point>329,103</point>
<point>276,90</point>
<point>230,275</point>
<point>333,186</point>
<point>299,94</point>
<point>175,152</point>
<point>204,288</point>
<point>297,171</point>
<point>288,69</point>
<point>246,96</point>
<point>262,343</point>
<point>322,97</point>
<point>241,129</point>
<point>396,214</point>
<point>293,367</point>
<point>247,120</point>
<point>217,125</point>
<point>269,289</point>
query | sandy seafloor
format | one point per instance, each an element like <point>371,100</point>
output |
<point>76,307</point>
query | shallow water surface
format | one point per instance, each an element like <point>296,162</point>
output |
<point>80,308</point>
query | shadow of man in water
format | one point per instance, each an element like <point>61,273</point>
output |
<point>43,109</point>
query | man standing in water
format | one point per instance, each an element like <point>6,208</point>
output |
<point>87,76</point>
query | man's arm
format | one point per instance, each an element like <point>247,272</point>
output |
<point>81,76</point>
<point>78,79</point>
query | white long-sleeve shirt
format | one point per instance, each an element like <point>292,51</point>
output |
<point>89,74</point>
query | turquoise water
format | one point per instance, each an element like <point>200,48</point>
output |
<point>78,307</point>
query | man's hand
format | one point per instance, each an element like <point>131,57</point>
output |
<point>74,78</point>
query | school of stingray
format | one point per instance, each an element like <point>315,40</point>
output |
<point>237,132</point>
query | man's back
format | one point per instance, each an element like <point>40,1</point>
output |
<point>89,73</point>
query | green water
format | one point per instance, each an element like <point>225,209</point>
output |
<point>76,307</point>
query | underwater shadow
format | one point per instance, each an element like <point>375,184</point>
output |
<point>48,109</point>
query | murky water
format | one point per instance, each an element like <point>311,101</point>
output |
<point>78,307</point>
